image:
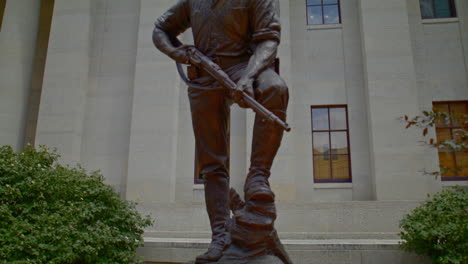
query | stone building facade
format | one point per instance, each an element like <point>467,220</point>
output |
<point>84,76</point>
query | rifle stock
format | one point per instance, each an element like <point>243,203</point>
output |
<point>200,60</point>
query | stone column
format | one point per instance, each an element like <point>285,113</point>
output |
<point>40,57</point>
<point>391,92</point>
<point>154,125</point>
<point>238,148</point>
<point>106,125</point>
<point>283,172</point>
<point>284,176</point>
<point>17,47</point>
<point>63,100</point>
<point>355,97</point>
<point>462,12</point>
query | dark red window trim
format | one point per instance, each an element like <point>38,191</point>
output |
<point>451,178</point>
<point>331,180</point>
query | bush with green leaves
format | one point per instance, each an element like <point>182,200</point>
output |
<point>439,228</point>
<point>50,213</point>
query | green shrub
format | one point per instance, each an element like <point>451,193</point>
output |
<point>55,214</point>
<point>439,228</point>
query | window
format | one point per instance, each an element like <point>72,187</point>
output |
<point>2,11</point>
<point>437,8</point>
<point>456,162</point>
<point>330,144</point>
<point>323,12</point>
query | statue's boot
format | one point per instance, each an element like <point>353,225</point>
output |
<point>217,205</point>
<point>265,144</point>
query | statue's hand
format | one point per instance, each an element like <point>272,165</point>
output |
<point>180,54</point>
<point>245,84</point>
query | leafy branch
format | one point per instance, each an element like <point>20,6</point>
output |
<point>438,119</point>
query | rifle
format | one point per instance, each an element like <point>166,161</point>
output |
<point>199,60</point>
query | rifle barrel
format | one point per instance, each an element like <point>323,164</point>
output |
<point>200,60</point>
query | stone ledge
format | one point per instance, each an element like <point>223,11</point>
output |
<point>292,244</point>
<point>302,251</point>
<point>286,235</point>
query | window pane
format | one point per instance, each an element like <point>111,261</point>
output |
<point>446,159</point>
<point>321,143</point>
<point>445,109</point>
<point>330,2</point>
<point>338,118</point>
<point>443,134</point>
<point>322,167</point>
<point>339,142</point>
<point>320,118</point>
<point>340,167</point>
<point>459,113</point>
<point>314,2</point>
<point>331,14</point>
<point>427,10</point>
<point>442,8</point>
<point>314,15</point>
<point>462,163</point>
<point>458,137</point>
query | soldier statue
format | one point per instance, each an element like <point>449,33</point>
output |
<point>242,37</point>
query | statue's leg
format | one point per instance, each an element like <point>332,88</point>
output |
<point>210,118</point>
<point>272,92</point>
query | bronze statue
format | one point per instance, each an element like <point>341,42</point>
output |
<point>233,60</point>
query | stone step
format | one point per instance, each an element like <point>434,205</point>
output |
<point>288,235</point>
<point>301,251</point>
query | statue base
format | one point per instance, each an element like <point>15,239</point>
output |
<point>254,238</point>
<point>268,259</point>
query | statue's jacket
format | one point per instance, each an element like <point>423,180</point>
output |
<point>224,30</point>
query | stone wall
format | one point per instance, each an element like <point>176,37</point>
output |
<point>111,101</point>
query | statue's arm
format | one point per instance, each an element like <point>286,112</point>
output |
<point>266,29</point>
<point>263,57</point>
<point>166,29</point>
<point>170,45</point>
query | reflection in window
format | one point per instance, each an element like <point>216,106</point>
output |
<point>455,163</point>
<point>323,12</point>
<point>330,139</point>
<point>437,8</point>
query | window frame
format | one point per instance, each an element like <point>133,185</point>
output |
<point>451,127</point>
<point>323,17</point>
<point>331,179</point>
<point>453,10</point>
